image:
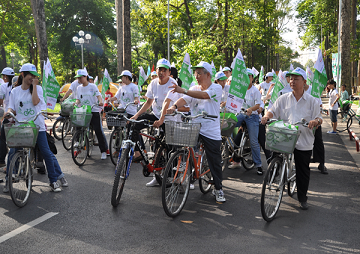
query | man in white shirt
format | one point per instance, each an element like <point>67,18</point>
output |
<point>291,108</point>
<point>333,105</point>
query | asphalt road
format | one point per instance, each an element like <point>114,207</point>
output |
<point>85,222</point>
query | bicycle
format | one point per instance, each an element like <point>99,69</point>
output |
<point>344,122</point>
<point>23,161</point>
<point>126,153</point>
<point>185,165</point>
<point>82,141</point>
<point>281,170</point>
<point>229,148</point>
<point>58,125</point>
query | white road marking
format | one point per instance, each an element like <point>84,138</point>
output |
<point>26,226</point>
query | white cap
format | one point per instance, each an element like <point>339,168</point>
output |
<point>204,65</point>
<point>30,68</point>
<point>220,76</point>
<point>163,63</point>
<point>8,71</point>
<point>226,69</point>
<point>286,73</point>
<point>91,77</point>
<point>125,73</point>
<point>299,72</point>
<point>153,73</point>
<point>250,71</point>
<point>269,74</point>
<point>80,73</point>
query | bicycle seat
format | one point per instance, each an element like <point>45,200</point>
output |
<point>116,112</point>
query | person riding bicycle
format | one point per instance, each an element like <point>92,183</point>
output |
<point>205,97</point>
<point>28,97</point>
<point>292,108</point>
<point>252,103</point>
<point>88,94</point>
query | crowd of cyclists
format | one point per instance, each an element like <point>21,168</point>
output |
<point>165,95</point>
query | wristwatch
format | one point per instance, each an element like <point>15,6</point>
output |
<point>185,91</point>
<point>318,120</point>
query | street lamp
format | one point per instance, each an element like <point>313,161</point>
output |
<point>80,41</point>
<point>12,58</point>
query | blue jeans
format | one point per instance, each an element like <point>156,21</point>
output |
<point>252,124</point>
<point>52,165</point>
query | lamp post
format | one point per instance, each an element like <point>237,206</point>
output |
<point>12,58</point>
<point>80,41</point>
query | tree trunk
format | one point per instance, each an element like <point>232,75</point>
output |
<point>3,63</point>
<point>353,35</point>
<point>189,17</point>
<point>38,10</point>
<point>120,39</point>
<point>127,36</point>
<point>345,44</point>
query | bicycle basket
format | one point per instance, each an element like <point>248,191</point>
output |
<point>182,134</point>
<point>227,123</point>
<point>115,119</point>
<point>81,119</point>
<point>281,140</point>
<point>66,109</point>
<point>21,136</point>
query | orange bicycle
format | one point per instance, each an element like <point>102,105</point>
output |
<point>185,165</point>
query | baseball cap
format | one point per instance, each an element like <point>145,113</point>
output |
<point>8,71</point>
<point>163,63</point>
<point>220,76</point>
<point>80,73</point>
<point>125,73</point>
<point>226,69</point>
<point>269,74</point>
<point>204,65</point>
<point>153,73</point>
<point>250,71</point>
<point>91,77</point>
<point>299,72</point>
<point>30,68</point>
<point>286,73</point>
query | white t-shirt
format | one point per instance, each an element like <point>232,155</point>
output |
<point>88,96</point>
<point>265,87</point>
<point>173,97</point>
<point>332,98</point>
<point>73,87</point>
<point>127,94</point>
<point>158,93</point>
<point>1,81</point>
<point>225,92</point>
<point>21,102</point>
<point>210,128</point>
<point>5,91</point>
<point>252,97</point>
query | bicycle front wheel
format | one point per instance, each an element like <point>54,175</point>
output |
<point>272,190</point>
<point>349,122</point>
<point>120,177</point>
<point>344,123</point>
<point>205,175</point>
<point>176,183</point>
<point>67,134</point>
<point>246,154</point>
<point>161,156</point>
<point>20,179</point>
<point>224,149</point>
<point>80,144</point>
<point>57,129</point>
<point>91,141</point>
<point>116,139</point>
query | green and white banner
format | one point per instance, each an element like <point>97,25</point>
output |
<point>239,84</point>
<point>320,78</point>
<point>50,86</point>
<point>142,78</point>
<point>310,76</point>
<point>280,83</point>
<point>261,75</point>
<point>105,84</point>
<point>186,73</point>
<point>255,71</point>
<point>334,67</point>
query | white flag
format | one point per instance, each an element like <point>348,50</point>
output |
<point>291,67</point>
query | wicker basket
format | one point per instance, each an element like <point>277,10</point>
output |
<point>81,119</point>
<point>281,140</point>
<point>115,120</point>
<point>182,134</point>
<point>20,136</point>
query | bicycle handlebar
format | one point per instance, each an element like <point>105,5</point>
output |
<point>204,115</point>
<point>302,122</point>
<point>24,122</point>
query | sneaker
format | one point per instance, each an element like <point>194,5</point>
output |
<point>152,183</point>
<point>192,186</point>
<point>107,152</point>
<point>219,194</point>
<point>55,187</point>
<point>331,132</point>
<point>6,187</point>
<point>304,205</point>
<point>235,165</point>
<point>103,155</point>
<point>323,169</point>
<point>63,182</point>
<point>259,171</point>
<point>41,170</point>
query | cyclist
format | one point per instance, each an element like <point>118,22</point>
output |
<point>292,108</point>
<point>221,79</point>
<point>72,89</point>
<point>252,103</point>
<point>5,90</point>
<point>205,97</point>
<point>26,101</point>
<point>88,94</point>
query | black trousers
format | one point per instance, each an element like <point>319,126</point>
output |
<point>213,155</point>
<point>96,125</point>
<point>302,161</point>
<point>3,147</point>
<point>319,149</point>
<point>139,126</point>
<point>262,138</point>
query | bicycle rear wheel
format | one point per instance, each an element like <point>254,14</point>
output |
<point>205,175</point>
<point>343,123</point>
<point>176,183</point>
<point>66,134</point>
<point>272,190</point>
<point>57,129</point>
<point>291,185</point>
<point>20,179</point>
<point>246,154</point>
<point>80,144</point>
<point>224,154</point>
<point>91,141</point>
<point>116,139</point>
<point>120,177</point>
<point>161,158</point>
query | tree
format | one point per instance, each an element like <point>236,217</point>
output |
<point>126,36</point>
<point>119,33</point>
<point>345,44</point>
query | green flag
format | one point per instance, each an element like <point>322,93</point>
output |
<point>50,86</point>
<point>261,75</point>
<point>279,85</point>
<point>320,77</point>
<point>105,83</point>
<point>142,78</point>
<point>186,72</point>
